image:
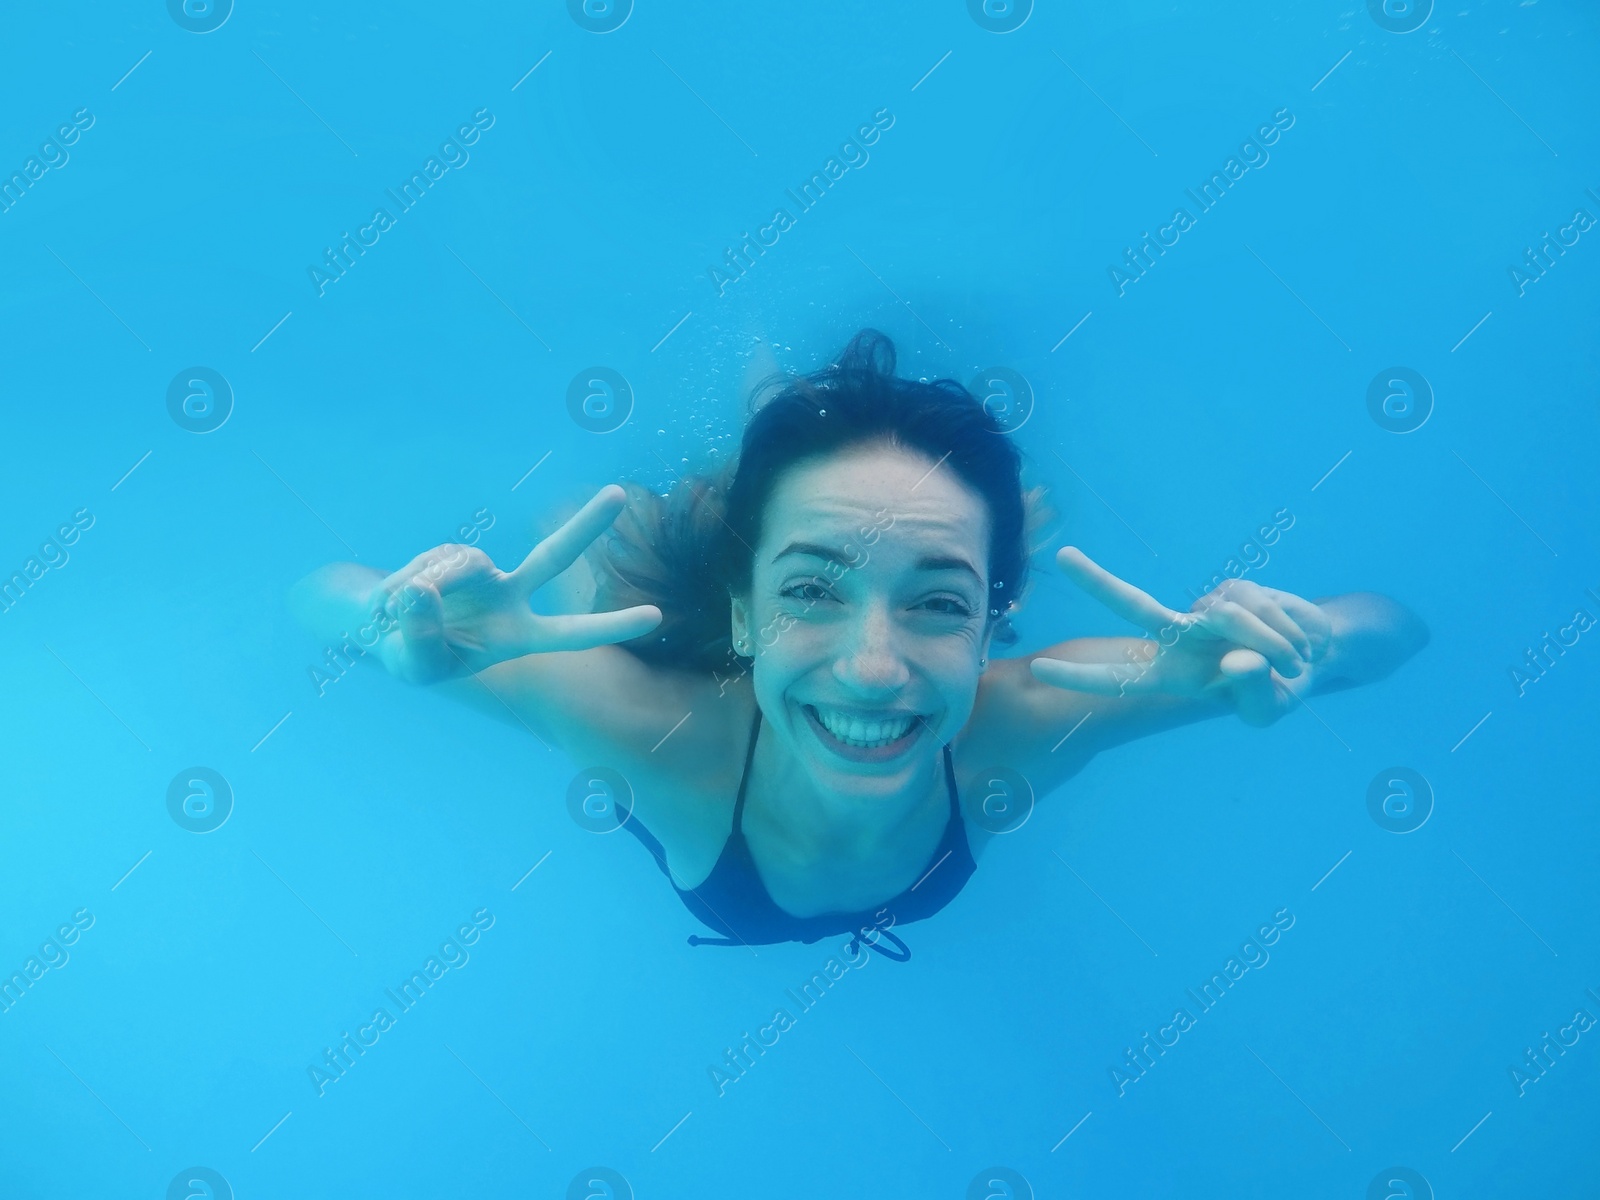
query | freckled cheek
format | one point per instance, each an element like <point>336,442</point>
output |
<point>956,678</point>
<point>785,635</point>
<point>960,687</point>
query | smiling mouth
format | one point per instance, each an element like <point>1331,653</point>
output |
<point>864,740</point>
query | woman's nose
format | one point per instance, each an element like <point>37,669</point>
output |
<point>869,661</point>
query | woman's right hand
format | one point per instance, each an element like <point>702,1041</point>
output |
<point>453,612</point>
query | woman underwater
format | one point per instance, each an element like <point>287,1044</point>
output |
<point>791,665</point>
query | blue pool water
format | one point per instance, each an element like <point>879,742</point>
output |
<point>1385,205</point>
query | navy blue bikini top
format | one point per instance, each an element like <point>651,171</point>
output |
<point>735,903</point>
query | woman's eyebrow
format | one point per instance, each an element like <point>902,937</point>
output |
<point>813,550</point>
<point>936,563</point>
<point>927,563</point>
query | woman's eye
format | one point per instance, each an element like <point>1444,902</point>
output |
<point>811,593</point>
<point>950,604</point>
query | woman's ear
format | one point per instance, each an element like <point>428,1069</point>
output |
<point>740,612</point>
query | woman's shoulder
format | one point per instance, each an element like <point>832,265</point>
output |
<point>1004,761</point>
<point>685,784</point>
<point>703,749</point>
<point>1022,742</point>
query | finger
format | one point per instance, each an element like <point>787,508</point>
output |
<point>424,652</point>
<point>378,598</point>
<point>1228,620</point>
<point>1255,599</point>
<point>1310,617</point>
<point>1118,595</point>
<point>583,631</point>
<point>558,551</point>
<point>1255,693</point>
<point>430,566</point>
<point>1101,679</point>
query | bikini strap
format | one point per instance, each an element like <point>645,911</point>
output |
<point>744,779</point>
<point>950,782</point>
<point>750,754</point>
<point>697,940</point>
<point>901,953</point>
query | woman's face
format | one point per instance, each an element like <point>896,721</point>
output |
<point>867,615</point>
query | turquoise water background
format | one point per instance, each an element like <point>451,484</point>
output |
<point>181,231</point>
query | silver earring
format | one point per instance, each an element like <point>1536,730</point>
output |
<point>982,663</point>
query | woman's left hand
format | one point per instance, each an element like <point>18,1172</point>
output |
<point>1254,647</point>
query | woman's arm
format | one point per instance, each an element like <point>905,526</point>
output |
<point>451,619</point>
<point>1244,649</point>
<point>557,696</point>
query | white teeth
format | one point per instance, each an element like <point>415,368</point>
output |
<point>857,732</point>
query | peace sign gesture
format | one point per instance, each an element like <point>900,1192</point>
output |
<point>1254,646</point>
<point>451,611</point>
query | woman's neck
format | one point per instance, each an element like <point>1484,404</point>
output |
<point>814,826</point>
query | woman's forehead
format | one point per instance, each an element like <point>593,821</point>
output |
<point>893,499</point>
